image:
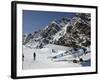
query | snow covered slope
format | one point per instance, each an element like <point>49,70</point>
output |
<point>44,58</point>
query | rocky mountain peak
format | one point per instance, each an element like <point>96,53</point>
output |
<point>73,32</point>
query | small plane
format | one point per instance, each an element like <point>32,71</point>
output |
<point>70,55</point>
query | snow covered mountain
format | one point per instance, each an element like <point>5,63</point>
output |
<point>70,32</point>
<point>62,43</point>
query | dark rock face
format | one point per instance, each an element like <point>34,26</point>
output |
<point>79,32</point>
<point>51,30</point>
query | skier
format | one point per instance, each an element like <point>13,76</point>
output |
<point>34,56</point>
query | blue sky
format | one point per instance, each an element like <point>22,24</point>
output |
<point>35,20</point>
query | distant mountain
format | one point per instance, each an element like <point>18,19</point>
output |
<point>72,32</point>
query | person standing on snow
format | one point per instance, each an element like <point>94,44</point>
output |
<point>34,56</point>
